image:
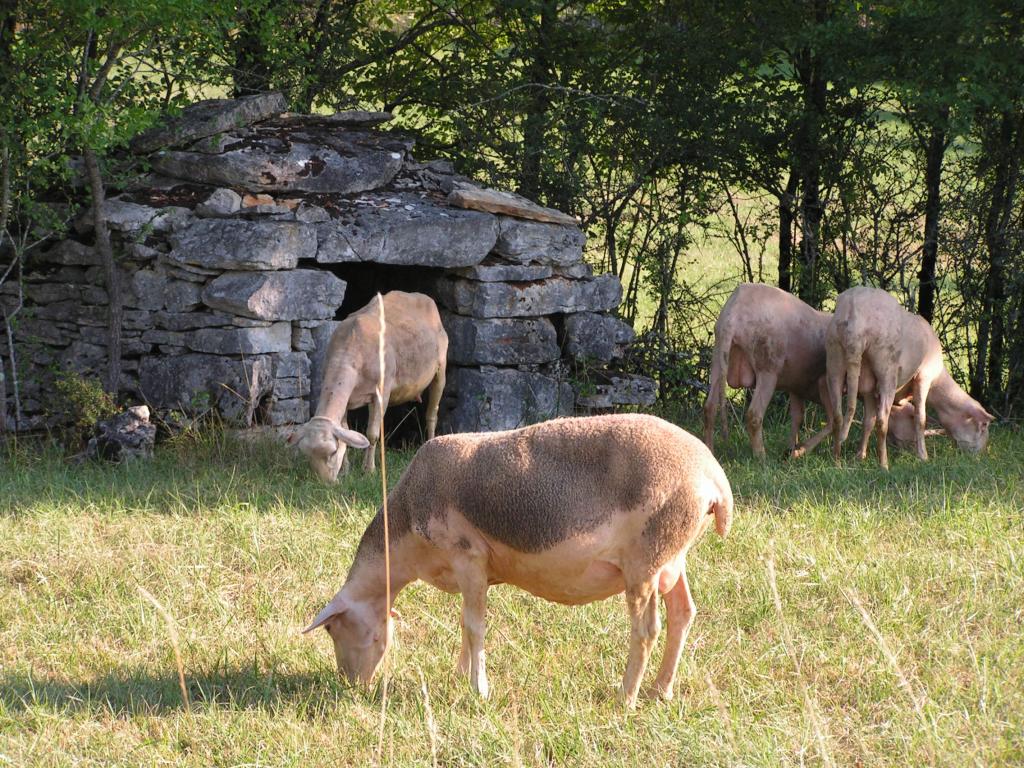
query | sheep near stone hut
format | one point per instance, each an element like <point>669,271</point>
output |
<point>259,230</point>
<point>415,355</point>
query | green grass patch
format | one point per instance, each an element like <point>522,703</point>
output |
<point>899,640</point>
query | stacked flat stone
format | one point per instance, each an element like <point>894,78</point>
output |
<point>229,251</point>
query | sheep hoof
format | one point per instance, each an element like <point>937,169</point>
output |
<point>481,688</point>
<point>626,700</point>
<point>660,692</point>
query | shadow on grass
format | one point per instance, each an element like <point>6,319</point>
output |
<point>911,488</point>
<point>216,472</point>
<point>130,694</point>
<point>195,476</point>
<point>134,694</point>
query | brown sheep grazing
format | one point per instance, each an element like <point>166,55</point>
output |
<point>880,351</point>
<point>416,351</point>
<point>571,510</point>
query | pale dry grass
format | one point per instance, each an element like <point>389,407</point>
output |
<point>242,546</point>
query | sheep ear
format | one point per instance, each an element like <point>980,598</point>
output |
<point>333,608</point>
<point>294,436</point>
<point>350,437</point>
<point>980,415</point>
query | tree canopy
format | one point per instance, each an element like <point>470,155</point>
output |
<point>827,144</point>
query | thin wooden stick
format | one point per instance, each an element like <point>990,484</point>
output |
<point>172,630</point>
<point>384,513</point>
<point>383,458</point>
<point>431,723</point>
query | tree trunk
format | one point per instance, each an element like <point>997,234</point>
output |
<point>808,149</point>
<point>934,154</point>
<point>811,205</point>
<point>1015,357</point>
<point>3,398</point>
<point>115,308</point>
<point>8,26</point>
<point>986,380</point>
<point>786,204</point>
<point>252,70</point>
<point>535,125</point>
<point>316,39</point>
<point>660,327</point>
<point>611,227</point>
<point>1015,324</point>
<point>5,212</point>
<point>999,252</point>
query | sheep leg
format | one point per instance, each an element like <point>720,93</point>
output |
<point>373,429</point>
<point>763,391</point>
<point>920,394</point>
<point>473,585</point>
<point>886,396</point>
<point>826,402</point>
<point>710,414</point>
<point>797,406</point>
<point>804,448</point>
<point>853,369</point>
<point>642,605</point>
<point>835,370</point>
<point>870,416</point>
<point>679,613</point>
<point>434,400</point>
<point>464,652</point>
<point>716,390</point>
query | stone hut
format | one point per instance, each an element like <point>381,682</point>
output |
<point>255,230</point>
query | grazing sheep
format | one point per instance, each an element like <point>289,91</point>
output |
<point>571,510</point>
<point>882,352</point>
<point>903,424</point>
<point>416,351</point>
<point>766,339</point>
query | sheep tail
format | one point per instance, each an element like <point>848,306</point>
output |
<point>714,405</point>
<point>721,508</point>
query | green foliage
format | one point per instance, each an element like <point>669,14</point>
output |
<point>79,74</point>
<point>80,401</point>
<point>818,131</point>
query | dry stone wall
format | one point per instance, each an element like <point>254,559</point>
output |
<point>239,249</point>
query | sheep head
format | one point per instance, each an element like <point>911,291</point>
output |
<point>968,426</point>
<point>324,443</point>
<point>361,636</point>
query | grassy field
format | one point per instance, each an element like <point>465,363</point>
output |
<point>852,617</point>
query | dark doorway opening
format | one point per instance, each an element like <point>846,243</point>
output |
<point>365,280</point>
